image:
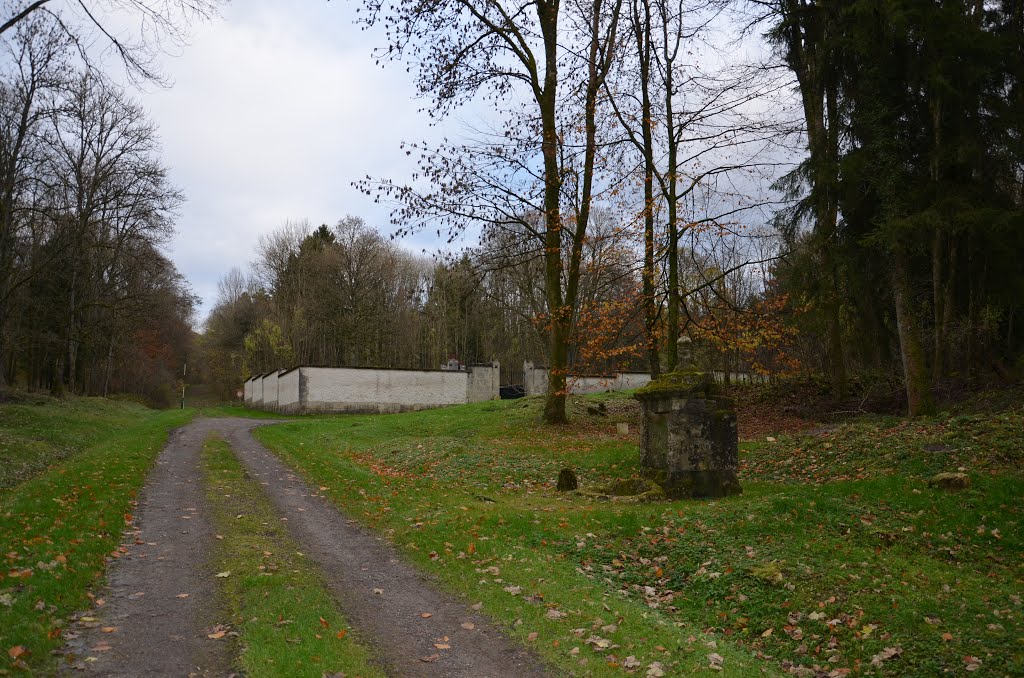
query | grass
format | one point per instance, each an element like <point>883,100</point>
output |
<point>45,431</point>
<point>837,557</point>
<point>231,410</point>
<point>79,463</point>
<point>287,621</point>
<point>466,492</point>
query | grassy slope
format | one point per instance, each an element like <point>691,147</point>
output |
<point>287,621</point>
<point>802,569</point>
<point>233,410</point>
<point>35,435</point>
<point>58,527</point>
<point>427,479</point>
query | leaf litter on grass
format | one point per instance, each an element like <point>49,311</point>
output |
<point>801,571</point>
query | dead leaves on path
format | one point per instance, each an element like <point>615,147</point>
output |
<point>220,631</point>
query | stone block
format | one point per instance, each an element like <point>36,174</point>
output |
<point>688,439</point>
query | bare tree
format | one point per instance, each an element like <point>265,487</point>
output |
<point>694,123</point>
<point>107,191</point>
<point>90,27</point>
<point>36,70</point>
<point>500,52</point>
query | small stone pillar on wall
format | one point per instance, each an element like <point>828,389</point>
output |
<point>688,440</point>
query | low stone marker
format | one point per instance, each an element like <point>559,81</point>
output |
<point>567,480</point>
<point>688,440</point>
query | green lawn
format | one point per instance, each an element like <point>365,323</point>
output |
<point>837,556</point>
<point>34,435</point>
<point>287,621</point>
<point>78,464</point>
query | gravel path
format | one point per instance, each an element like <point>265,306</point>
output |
<point>161,631</point>
<point>380,595</point>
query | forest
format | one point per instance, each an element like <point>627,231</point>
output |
<point>820,189</point>
<point>830,190</point>
<point>89,301</point>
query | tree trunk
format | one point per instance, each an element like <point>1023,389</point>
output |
<point>920,399</point>
<point>554,406</point>
<point>943,261</point>
<point>642,27</point>
<point>3,345</point>
<point>836,359</point>
<point>828,218</point>
<point>672,331</point>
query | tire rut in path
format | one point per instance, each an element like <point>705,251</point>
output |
<point>355,562</point>
<point>157,632</point>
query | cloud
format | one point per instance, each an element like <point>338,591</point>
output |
<point>275,110</point>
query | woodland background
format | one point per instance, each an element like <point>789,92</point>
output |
<point>826,189</point>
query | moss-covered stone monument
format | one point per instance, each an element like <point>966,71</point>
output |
<point>688,441</point>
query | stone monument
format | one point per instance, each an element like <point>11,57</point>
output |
<point>688,441</point>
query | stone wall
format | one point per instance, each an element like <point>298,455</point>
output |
<point>257,391</point>
<point>288,385</point>
<point>344,389</point>
<point>581,385</point>
<point>535,379</point>
<point>270,391</point>
<point>483,382</point>
<point>631,380</point>
<point>363,390</point>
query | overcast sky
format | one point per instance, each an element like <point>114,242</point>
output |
<point>275,108</point>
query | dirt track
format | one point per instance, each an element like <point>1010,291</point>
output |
<point>160,633</point>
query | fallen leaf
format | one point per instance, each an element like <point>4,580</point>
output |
<point>16,651</point>
<point>108,629</point>
<point>215,636</point>
<point>223,574</point>
<point>886,654</point>
<point>341,634</point>
<point>442,646</point>
<point>378,592</point>
<point>426,615</point>
<point>655,670</point>
<point>469,626</point>
<point>324,623</point>
<point>182,595</point>
<point>430,658</point>
<point>532,636</point>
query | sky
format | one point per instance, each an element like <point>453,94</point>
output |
<point>275,108</point>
